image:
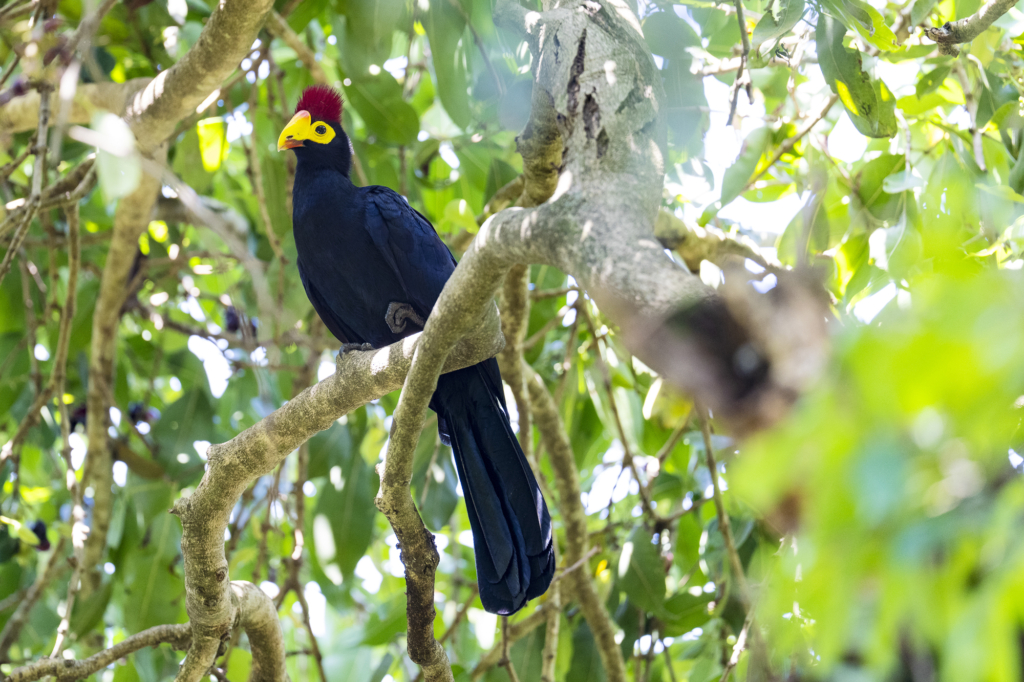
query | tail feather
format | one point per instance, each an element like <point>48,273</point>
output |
<point>509,519</point>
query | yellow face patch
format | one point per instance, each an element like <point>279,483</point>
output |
<point>302,129</point>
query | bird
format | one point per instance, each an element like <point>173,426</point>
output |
<point>373,267</point>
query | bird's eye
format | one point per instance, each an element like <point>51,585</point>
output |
<point>321,130</point>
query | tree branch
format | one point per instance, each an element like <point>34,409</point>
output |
<point>952,33</point>
<point>130,219</point>
<point>360,378</point>
<point>21,113</point>
<point>574,519</point>
<point>152,113</point>
<point>738,576</point>
<point>178,636</point>
<point>694,243</point>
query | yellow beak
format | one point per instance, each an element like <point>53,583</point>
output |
<point>297,130</point>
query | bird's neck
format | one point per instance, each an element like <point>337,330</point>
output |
<point>315,174</point>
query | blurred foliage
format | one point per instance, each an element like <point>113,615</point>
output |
<point>879,525</point>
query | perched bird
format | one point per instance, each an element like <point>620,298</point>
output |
<point>373,267</point>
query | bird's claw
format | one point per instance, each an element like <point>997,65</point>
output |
<point>399,315</point>
<point>348,347</point>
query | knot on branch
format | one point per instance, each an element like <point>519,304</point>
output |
<point>946,36</point>
<point>747,352</point>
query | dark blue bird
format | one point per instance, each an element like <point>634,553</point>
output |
<point>373,267</point>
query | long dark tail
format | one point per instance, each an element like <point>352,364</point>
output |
<point>515,560</point>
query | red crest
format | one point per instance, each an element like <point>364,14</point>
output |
<point>322,102</point>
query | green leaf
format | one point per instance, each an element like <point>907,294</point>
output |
<point>685,106</point>
<point>457,214</point>
<point>378,99</point>
<point>329,448</point>
<point>866,20</point>
<point>156,589</point>
<point>772,27</point>
<point>347,502</point>
<point>23,532</point>
<point>687,549</point>
<point>239,664</point>
<point>683,612</point>
<point>904,247</point>
<point>445,24</point>
<point>871,190</point>
<point>188,162</point>
<point>434,481</point>
<point>369,28</point>
<point>213,142</point>
<point>186,420</point>
<point>586,663</point>
<point>275,188</point>
<point>932,79</point>
<point>1000,192</point>
<point>668,35</point>
<point>869,103</point>
<point>526,655</point>
<point>739,173</point>
<point>642,571</point>
<point>386,623</point>
<point>88,612</point>
<point>382,668</point>
<point>921,9</point>
<point>118,164</point>
<point>901,182</point>
<point>800,238</point>
<point>303,14</point>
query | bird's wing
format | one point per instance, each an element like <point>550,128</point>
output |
<point>420,259</point>
<point>324,310</point>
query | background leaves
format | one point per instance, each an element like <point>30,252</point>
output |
<point>877,525</point>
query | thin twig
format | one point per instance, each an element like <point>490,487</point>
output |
<point>179,636</point>
<point>790,142</point>
<point>33,325</point>
<point>480,45</point>
<point>541,294</point>
<point>627,452</point>
<point>668,663</point>
<point>549,654</point>
<point>505,661</point>
<point>740,80</point>
<point>80,530</point>
<point>256,173</point>
<point>541,333</point>
<point>741,643</point>
<point>739,578</point>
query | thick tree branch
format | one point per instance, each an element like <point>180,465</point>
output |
<point>21,113</point>
<point>360,378</point>
<point>152,113</point>
<point>596,226</point>
<point>174,94</point>
<point>952,33</point>
<point>130,220</point>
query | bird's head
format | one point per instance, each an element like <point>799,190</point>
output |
<point>315,130</point>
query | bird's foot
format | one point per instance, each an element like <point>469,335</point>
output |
<point>348,347</point>
<point>399,315</point>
